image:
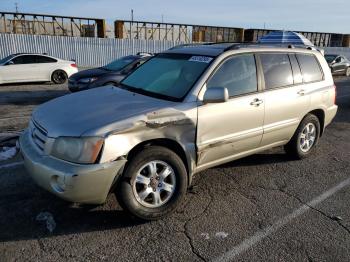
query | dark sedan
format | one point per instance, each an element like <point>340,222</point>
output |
<point>338,64</point>
<point>110,74</point>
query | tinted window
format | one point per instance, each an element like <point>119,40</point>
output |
<point>277,70</point>
<point>24,59</point>
<point>310,68</point>
<point>298,78</point>
<point>45,59</point>
<point>237,74</point>
<point>330,58</point>
<point>119,64</point>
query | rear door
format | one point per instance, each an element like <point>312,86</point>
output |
<point>286,99</point>
<point>46,65</point>
<point>230,128</point>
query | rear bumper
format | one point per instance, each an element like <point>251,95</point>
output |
<point>72,182</point>
<point>330,114</point>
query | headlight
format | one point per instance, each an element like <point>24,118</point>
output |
<point>87,80</point>
<point>77,149</point>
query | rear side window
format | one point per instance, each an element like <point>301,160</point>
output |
<point>237,74</point>
<point>310,68</point>
<point>45,59</point>
<point>277,70</point>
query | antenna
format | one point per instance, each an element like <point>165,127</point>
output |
<point>132,15</point>
<point>16,6</point>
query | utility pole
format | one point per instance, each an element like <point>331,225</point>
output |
<point>132,15</point>
<point>162,18</point>
<point>16,6</point>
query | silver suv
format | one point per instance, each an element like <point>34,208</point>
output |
<point>181,112</point>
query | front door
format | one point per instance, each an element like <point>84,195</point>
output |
<point>233,127</point>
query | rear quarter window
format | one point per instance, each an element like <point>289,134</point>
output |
<point>45,59</point>
<point>310,68</point>
<point>277,70</point>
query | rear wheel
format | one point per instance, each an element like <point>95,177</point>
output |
<point>59,77</point>
<point>305,138</point>
<point>347,72</point>
<point>153,184</point>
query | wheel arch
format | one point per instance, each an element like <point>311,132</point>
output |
<point>320,114</point>
<point>167,143</point>
<point>57,69</point>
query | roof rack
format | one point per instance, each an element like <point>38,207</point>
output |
<point>246,45</point>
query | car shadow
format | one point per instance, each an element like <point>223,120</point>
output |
<point>265,158</point>
<point>29,97</point>
<point>21,222</point>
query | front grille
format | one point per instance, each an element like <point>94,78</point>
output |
<point>39,135</point>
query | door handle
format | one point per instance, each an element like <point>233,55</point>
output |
<point>256,102</point>
<point>301,92</point>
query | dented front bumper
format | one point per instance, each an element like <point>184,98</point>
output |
<point>72,182</point>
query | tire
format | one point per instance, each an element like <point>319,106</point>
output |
<point>298,147</point>
<point>347,72</point>
<point>130,193</point>
<point>59,77</point>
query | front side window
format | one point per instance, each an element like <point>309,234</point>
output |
<point>168,76</point>
<point>24,59</point>
<point>277,70</point>
<point>310,68</point>
<point>237,74</point>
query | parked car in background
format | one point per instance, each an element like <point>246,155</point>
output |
<point>338,64</point>
<point>110,74</point>
<point>185,110</point>
<point>26,67</point>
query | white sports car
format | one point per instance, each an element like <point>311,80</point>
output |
<point>25,67</point>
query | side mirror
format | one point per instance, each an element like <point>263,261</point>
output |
<point>215,95</point>
<point>10,63</point>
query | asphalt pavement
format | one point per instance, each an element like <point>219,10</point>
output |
<point>265,207</point>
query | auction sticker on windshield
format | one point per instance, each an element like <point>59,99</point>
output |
<point>202,59</point>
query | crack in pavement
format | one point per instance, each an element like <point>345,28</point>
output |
<point>317,210</point>
<point>282,190</point>
<point>186,229</point>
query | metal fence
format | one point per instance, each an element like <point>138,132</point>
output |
<point>87,52</point>
<point>345,51</point>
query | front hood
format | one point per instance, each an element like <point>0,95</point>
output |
<point>94,72</point>
<point>78,113</point>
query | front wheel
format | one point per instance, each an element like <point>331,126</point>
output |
<point>153,184</point>
<point>59,77</point>
<point>305,137</point>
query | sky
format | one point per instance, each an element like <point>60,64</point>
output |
<point>299,15</point>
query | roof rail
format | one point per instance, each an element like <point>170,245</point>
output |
<point>286,45</point>
<point>190,44</point>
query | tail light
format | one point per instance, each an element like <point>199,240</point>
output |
<point>73,65</point>
<point>335,94</point>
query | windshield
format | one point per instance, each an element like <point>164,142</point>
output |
<point>119,64</point>
<point>168,76</point>
<point>330,58</point>
<point>6,59</point>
